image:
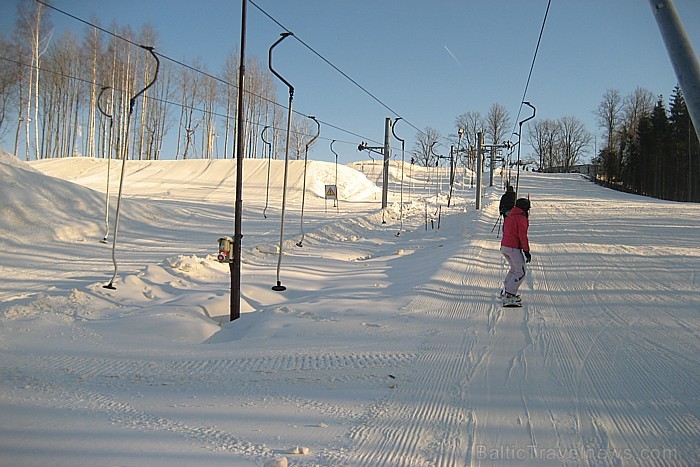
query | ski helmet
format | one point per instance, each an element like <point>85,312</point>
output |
<point>523,203</point>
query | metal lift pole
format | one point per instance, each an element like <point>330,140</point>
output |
<point>683,58</point>
<point>479,168</point>
<point>387,154</point>
<point>235,265</point>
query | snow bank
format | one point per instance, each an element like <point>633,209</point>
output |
<point>37,208</point>
<point>209,180</point>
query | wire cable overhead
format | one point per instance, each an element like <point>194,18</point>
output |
<point>532,66</point>
<point>214,77</point>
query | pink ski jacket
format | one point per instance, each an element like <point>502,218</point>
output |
<point>515,230</point>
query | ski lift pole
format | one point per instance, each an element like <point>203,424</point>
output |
<point>335,200</point>
<point>109,159</point>
<point>510,159</point>
<point>452,174</point>
<point>279,287</point>
<point>269,163</point>
<point>455,160</point>
<point>124,157</point>
<point>403,142</point>
<point>520,132</point>
<point>438,187</point>
<point>236,248</point>
<point>300,243</point>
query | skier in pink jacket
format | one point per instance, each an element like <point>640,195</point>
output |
<point>516,249</point>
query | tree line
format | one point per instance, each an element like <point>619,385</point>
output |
<point>650,149</point>
<point>69,95</point>
<point>555,143</point>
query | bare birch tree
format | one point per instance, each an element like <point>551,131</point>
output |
<point>608,115</point>
<point>574,140</point>
<point>424,141</point>
<point>542,136</point>
<point>8,82</point>
<point>497,123</point>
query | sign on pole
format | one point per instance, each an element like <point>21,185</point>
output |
<point>331,192</point>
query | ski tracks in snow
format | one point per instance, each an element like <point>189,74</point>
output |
<point>628,391</point>
<point>458,397</point>
<point>560,380</point>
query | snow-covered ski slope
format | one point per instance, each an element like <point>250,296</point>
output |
<point>384,350</point>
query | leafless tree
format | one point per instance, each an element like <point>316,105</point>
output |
<point>497,123</point>
<point>229,96</point>
<point>424,141</point>
<point>62,101</point>
<point>157,121</point>
<point>608,115</point>
<point>209,93</point>
<point>22,69</point>
<point>302,132</point>
<point>574,139</point>
<point>470,123</point>
<point>542,136</point>
<point>32,28</point>
<point>8,81</point>
<point>190,98</point>
<point>92,52</point>
<point>637,104</point>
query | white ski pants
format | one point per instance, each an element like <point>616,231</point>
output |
<point>516,273</point>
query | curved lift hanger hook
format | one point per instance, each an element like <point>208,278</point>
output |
<point>300,243</point>
<point>124,157</point>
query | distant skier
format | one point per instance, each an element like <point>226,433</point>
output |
<point>507,201</point>
<point>516,249</point>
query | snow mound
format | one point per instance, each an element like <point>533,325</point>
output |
<point>351,184</point>
<point>35,205</point>
<point>210,180</point>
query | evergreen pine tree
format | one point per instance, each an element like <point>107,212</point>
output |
<point>678,155</point>
<point>684,145</point>
<point>642,171</point>
<point>661,138</point>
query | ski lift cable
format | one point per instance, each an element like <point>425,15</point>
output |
<point>125,149</point>
<point>532,66</point>
<point>303,189</point>
<point>328,62</point>
<point>190,67</point>
<point>163,56</point>
<point>278,286</point>
<point>185,106</point>
<point>129,41</point>
<point>109,159</point>
<point>269,163</point>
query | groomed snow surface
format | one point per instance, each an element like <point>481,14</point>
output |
<point>385,349</point>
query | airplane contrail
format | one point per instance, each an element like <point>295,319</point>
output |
<point>455,59</point>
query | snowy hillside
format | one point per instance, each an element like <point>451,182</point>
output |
<point>385,349</point>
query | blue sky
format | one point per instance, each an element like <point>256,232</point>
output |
<point>428,60</point>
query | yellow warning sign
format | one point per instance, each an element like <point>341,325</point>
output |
<point>331,192</point>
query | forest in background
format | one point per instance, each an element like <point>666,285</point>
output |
<point>50,86</point>
<point>650,149</point>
